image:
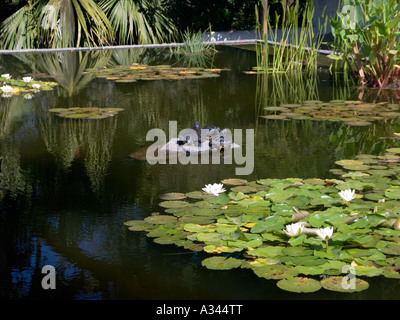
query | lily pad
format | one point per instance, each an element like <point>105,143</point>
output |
<point>277,272</point>
<point>299,284</point>
<point>142,72</point>
<point>173,196</point>
<point>174,204</point>
<point>234,182</point>
<point>85,112</point>
<point>344,284</point>
<point>274,117</point>
<point>161,219</point>
<point>221,263</point>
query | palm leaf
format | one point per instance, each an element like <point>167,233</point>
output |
<point>19,31</point>
<point>138,22</point>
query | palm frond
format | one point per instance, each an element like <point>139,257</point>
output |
<point>19,31</point>
<point>138,22</point>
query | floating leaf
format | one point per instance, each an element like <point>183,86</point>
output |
<point>174,204</point>
<point>276,272</point>
<point>160,219</point>
<point>344,284</point>
<point>85,112</point>
<point>221,263</point>
<point>299,284</point>
<point>234,182</point>
<point>173,196</point>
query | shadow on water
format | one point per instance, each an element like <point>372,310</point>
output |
<point>68,185</point>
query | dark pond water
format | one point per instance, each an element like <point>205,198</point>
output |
<point>67,186</point>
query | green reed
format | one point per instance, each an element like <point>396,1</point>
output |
<point>294,46</point>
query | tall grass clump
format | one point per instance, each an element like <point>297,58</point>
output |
<point>294,45</point>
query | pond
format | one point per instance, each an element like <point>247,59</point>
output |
<point>68,185</point>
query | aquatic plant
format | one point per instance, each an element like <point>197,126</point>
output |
<point>274,227</point>
<point>286,48</point>
<point>214,189</point>
<point>193,43</point>
<point>194,52</point>
<point>137,71</point>
<point>366,41</point>
<point>12,86</point>
<point>91,113</point>
<point>347,195</point>
<point>350,112</point>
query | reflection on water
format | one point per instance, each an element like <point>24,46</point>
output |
<point>67,186</point>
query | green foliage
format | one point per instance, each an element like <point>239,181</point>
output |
<point>68,23</point>
<point>138,21</point>
<point>252,227</point>
<point>290,44</point>
<point>56,23</point>
<point>366,39</point>
<point>193,43</point>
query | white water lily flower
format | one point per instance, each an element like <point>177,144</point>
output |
<point>36,86</point>
<point>294,229</point>
<point>347,195</point>
<point>6,89</point>
<point>27,79</point>
<point>214,189</point>
<point>325,234</point>
<point>6,75</point>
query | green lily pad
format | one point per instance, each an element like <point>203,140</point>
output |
<point>297,251</point>
<point>85,112</point>
<point>266,251</point>
<point>174,204</point>
<point>244,189</point>
<point>234,182</point>
<point>310,261</point>
<point>299,285</point>
<point>192,227</point>
<point>349,162</point>
<point>344,284</point>
<point>273,109</point>
<point>199,195</point>
<point>274,117</point>
<point>137,225</point>
<point>173,196</point>
<point>277,271</point>
<point>221,263</point>
<point>161,219</point>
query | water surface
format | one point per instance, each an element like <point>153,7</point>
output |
<point>67,186</point>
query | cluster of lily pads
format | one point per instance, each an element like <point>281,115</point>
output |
<point>354,113</point>
<point>27,85</point>
<point>137,71</point>
<point>85,112</point>
<point>305,233</point>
